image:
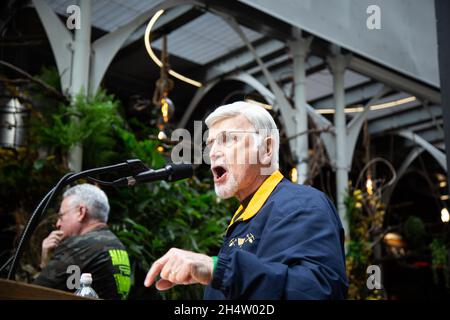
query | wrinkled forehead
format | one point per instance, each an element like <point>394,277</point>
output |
<point>235,123</point>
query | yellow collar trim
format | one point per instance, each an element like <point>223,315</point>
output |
<point>259,198</point>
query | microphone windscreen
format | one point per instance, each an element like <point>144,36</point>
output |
<point>181,171</point>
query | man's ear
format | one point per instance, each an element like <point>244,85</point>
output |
<point>82,214</point>
<point>266,151</point>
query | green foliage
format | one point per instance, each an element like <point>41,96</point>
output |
<point>414,230</point>
<point>149,219</point>
<point>156,218</point>
<point>50,77</point>
<point>28,172</point>
<point>141,149</point>
<point>89,121</point>
<point>440,262</point>
<point>363,212</point>
<point>357,251</point>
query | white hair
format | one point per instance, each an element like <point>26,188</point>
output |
<point>259,117</point>
<point>92,197</point>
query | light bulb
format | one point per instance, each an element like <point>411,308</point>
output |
<point>167,109</point>
<point>162,135</point>
<point>294,175</point>
<point>369,186</point>
<point>445,217</point>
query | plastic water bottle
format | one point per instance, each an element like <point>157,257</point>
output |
<point>85,289</point>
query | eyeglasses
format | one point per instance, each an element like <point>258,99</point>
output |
<point>61,214</point>
<point>227,138</point>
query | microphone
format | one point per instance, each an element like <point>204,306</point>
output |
<point>171,172</point>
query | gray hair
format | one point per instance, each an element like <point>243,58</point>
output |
<point>259,117</point>
<point>93,198</point>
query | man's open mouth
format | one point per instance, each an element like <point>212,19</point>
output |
<point>219,173</point>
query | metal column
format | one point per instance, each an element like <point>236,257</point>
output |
<point>80,71</point>
<point>338,64</point>
<point>300,49</point>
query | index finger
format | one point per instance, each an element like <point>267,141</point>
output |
<point>155,269</point>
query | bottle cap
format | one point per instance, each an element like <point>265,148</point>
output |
<point>86,278</point>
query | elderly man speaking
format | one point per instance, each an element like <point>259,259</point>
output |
<point>285,240</point>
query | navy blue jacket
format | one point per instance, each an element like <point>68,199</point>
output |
<point>287,244</point>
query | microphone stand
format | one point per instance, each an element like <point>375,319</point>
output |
<point>136,166</point>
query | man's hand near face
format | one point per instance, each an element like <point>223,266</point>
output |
<point>49,244</point>
<point>180,267</point>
